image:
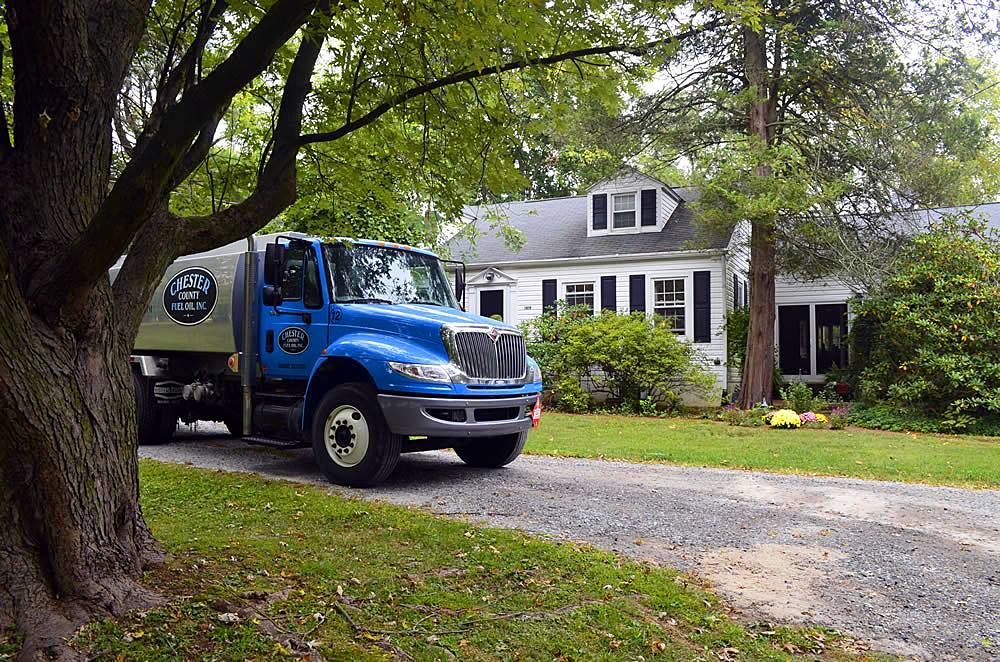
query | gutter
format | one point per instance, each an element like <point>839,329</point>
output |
<point>703,252</point>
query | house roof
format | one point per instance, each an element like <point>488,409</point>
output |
<point>921,219</point>
<point>556,228</point>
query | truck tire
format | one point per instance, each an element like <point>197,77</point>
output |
<point>351,440</point>
<point>492,452</point>
<point>154,425</point>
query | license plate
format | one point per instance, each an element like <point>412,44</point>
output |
<point>536,413</point>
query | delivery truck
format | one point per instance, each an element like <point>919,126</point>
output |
<point>358,349</point>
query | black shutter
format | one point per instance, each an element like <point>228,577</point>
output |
<point>549,296</point>
<point>649,207</point>
<point>703,306</point>
<point>608,293</point>
<point>736,292</point>
<point>637,293</point>
<point>601,211</point>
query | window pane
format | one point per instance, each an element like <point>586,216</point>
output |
<point>831,337</point>
<point>580,294</point>
<point>624,202</point>
<point>291,277</point>
<point>313,294</point>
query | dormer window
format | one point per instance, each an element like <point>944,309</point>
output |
<point>623,206</point>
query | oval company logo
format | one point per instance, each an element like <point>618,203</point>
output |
<point>190,296</point>
<point>293,340</point>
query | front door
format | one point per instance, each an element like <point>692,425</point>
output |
<point>491,303</point>
<point>294,333</point>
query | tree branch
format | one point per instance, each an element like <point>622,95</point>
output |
<point>140,272</point>
<point>471,74</point>
<point>140,189</point>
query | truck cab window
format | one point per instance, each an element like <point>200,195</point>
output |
<point>300,279</point>
<point>312,293</point>
<point>291,277</point>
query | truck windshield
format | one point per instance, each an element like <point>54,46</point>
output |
<point>377,274</point>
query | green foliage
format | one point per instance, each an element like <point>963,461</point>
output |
<point>935,344</point>
<point>629,359</point>
<point>904,419</point>
<point>839,418</point>
<point>800,397</point>
<point>737,326</point>
<point>744,418</point>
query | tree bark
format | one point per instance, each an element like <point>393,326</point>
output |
<point>72,538</point>
<point>758,371</point>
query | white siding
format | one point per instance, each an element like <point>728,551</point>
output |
<point>526,293</point>
<point>789,290</point>
<point>737,264</point>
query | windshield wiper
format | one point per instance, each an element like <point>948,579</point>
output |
<point>365,300</point>
<point>425,302</point>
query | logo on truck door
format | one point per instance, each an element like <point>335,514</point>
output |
<point>293,340</point>
<point>190,296</point>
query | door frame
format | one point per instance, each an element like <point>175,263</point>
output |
<point>504,291</point>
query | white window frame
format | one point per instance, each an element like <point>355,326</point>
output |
<point>614,212</point>
<point>581,283</point>
<point>651,306</point>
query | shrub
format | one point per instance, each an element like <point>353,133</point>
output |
<point>627,358</point>
<point>785,419</point>
<point>838,418</point>
<point>928,338</point>
<point>799,397</point>
<point>746,418</point>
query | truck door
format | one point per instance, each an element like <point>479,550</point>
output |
<point>294,333</point>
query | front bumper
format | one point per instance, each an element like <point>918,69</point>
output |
<point>457,417</point>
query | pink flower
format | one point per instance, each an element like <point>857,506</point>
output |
<point>807,417</point>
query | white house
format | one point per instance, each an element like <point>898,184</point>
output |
<point>632,243</point>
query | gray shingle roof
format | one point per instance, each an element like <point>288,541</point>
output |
<point>557,228</point>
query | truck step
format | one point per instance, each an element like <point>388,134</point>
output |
<point>274,443</point>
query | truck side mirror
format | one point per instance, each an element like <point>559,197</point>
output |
<point>460,285</point>
<point>271,296</point>
<point>274,262</point>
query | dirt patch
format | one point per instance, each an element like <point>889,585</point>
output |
<point>778,580</point>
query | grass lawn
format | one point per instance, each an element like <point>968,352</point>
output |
<point>938,459</point>
<point>274,570</point>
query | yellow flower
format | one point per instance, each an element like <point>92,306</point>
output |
<point>785,418</point>
<point>821,418</point>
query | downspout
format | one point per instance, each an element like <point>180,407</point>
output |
<point>247,361</point>
<point>725,327</point>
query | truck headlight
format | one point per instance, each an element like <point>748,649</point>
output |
<point>534,372</point>
<point>425,372</point>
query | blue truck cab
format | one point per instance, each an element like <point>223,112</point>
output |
<point>359,349</point>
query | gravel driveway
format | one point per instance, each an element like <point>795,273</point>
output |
<point>913,569</point>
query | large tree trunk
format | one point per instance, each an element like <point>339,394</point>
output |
<point>758,369</point>
<point>758,366</point>
<point>72,538</point>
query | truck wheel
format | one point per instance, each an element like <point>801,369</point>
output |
<point>492,452</point>
<point>155,425</point>
<point>351,440</point>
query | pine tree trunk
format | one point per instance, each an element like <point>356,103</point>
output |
<point>72,538</point>
<point>758,364</point>
<point>758,370</point>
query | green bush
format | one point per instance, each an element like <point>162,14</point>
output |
<point>800,397</point>
<point>931,337</point>
<point>902,419</point>
<point>638,364</point>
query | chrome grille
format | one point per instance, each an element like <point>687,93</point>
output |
<point>483,358</point>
